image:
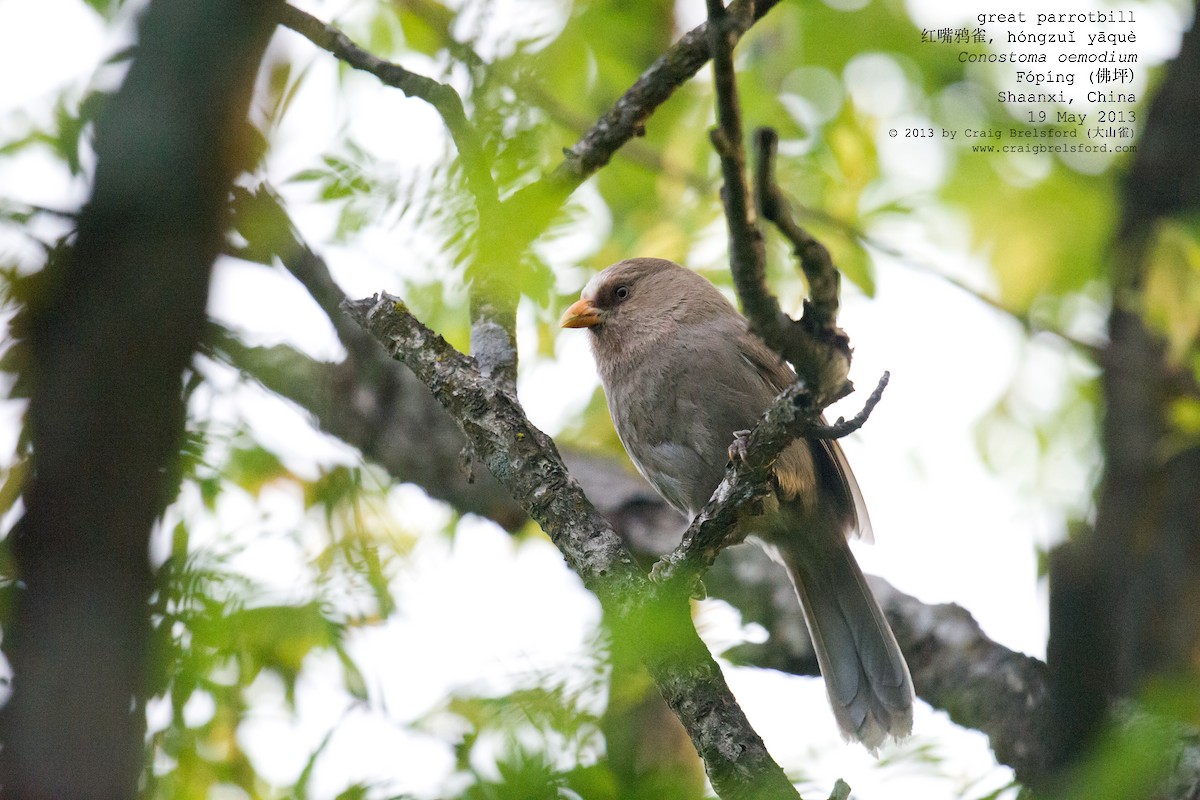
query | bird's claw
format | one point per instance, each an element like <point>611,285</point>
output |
<point>739,448</point>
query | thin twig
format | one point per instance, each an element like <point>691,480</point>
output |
<point>845,427</point>
<point>824,281</point>
<point>1028,323</point>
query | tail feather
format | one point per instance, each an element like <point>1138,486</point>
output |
<point>865,673</point>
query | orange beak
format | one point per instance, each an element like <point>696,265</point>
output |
<point>581,314</point>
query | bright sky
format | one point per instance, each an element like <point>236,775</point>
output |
<point>947,528</point>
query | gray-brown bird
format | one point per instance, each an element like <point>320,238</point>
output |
<point>682,373</point>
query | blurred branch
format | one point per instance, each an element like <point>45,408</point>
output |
<point>527,463</point>
<point>111,326</point>
<point>627,117</point>
<point>625,120</point>
<point>633,151</point>
<point>376,404</point>
<point>1109,637</point>
<point>979,683</point>
<point>23,212</point>
<point>1031,326</point>
<point>261,219</point>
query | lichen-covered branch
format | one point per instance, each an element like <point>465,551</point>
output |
<point>527,463</point>
<point>521,456</point>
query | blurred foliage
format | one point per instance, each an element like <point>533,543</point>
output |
<point>533,742</point>
<point>1139,754</point>
<point>830,81</point>
<point>219,633</point>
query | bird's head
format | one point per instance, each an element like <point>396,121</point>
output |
<point>643,297</point>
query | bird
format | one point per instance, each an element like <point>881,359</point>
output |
<point>683,375</point>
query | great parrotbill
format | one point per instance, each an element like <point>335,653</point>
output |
<point>682,373</point>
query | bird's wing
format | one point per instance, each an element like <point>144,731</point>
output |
<point>832,465</point>
<point>768,365</point>
<point>829,461</point>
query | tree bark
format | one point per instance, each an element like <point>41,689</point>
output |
<point>110,330</point>
<point>1125,596</point>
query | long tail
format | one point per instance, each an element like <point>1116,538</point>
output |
<point>865,673</point>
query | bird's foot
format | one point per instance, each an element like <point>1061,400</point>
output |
<point>739,448</point>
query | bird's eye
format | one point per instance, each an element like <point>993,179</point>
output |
<point>622,292</point>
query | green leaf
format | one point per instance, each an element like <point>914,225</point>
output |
<point>253,467</point>
<point>276,638</point>
<point>333,487</point>
<point>105,8</point>
<point>12,483</point>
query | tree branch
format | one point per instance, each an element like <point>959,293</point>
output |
<point>627,117</point>
<point>1108,637</point>
<point>747,252</point>
<point>526,462</point>
<point>110,331</point>
<point>403,428</point>
<point>814,345</point>
<point>441,96</point>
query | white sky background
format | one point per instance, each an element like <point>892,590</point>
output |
<point>478,612</point>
